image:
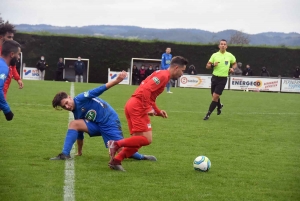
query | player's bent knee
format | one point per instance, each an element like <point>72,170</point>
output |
<point>78,125</point>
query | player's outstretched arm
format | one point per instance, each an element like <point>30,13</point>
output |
<point>119,79</point>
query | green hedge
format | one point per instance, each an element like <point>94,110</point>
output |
<point>117,53</point>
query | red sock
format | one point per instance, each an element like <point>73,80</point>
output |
<point>133,141</point>
<point>126,153</point>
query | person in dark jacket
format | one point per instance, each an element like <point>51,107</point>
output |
<point>297,72</point>
<point>79,67</point>
<point>135,75</point>
<point>192,70</point>
<point>149,71</point>
<point>41,65</point>
<point>264,72</point>
<point>248,71</point>
<point>59,70</point>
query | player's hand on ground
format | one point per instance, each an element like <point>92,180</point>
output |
<point>164,114</point>
<point>121,76</point>
<point>20,83</point>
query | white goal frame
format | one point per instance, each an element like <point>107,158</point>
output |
<point>75,59</point>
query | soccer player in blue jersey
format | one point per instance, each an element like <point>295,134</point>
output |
<point>10,54</point>
<point>165,63</point>
<point>93,116</point>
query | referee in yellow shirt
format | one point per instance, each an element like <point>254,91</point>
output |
<point>220,62</point>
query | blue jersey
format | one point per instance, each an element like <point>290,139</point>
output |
<point>4,70</point>
<point>92,108</point>
<point>165,61</point>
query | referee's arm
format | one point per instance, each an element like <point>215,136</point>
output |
<point>233,66</point>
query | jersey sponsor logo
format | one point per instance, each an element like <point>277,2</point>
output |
<point>226,62</point>
<point>91,115</point>
<point>156,80</point>
<point>2,76</point>
<point>86,94</point>
<point>168,61</point>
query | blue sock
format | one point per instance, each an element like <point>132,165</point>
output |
<point>137,156</point>
<point>69,141</point>
<point>168,86</point>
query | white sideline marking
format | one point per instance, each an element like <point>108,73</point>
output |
<point>69,187</point>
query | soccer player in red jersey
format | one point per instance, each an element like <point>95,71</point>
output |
<point>139,107</point>
<point>7,31</point>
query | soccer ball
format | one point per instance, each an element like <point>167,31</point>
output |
<point>202,163</point>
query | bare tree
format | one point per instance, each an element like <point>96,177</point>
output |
<point>1,20</point>
<point>239,38</point>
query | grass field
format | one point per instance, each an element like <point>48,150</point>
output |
<point>254,147</point>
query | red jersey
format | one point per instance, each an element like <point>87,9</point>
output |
<point>151,87</point>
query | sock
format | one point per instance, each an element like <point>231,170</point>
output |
<point>133,141</point>
<point>212,107</point>
<point>137,156</point>
<point>126,153</point>
<point>69,141</point>
<point>168,86</point>
<point>219,103</point>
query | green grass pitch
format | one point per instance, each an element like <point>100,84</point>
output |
<point>254,148</point>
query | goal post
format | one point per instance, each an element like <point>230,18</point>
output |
<point>143,61</point>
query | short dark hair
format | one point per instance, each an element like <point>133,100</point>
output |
<point>58,98</point>
<point>178,60</point>
<point>7,28</point>
<point>10,46</point>
<point>223,40</point>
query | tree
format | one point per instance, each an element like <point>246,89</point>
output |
<point>1,20</point>
<point>239,38</point>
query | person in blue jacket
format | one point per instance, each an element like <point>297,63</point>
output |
<point>79,67</point>
<point>10,55</point>
<point>165,63</point>
<point>92,115</point>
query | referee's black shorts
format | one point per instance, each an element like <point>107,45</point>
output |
<point>218,84</point>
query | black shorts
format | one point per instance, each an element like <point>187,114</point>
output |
<point>78,73</point>
<point>218,84</point>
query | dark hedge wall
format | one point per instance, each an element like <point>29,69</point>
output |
<point>116,54</point>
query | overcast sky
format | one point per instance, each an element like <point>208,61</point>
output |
<point>249,16</point>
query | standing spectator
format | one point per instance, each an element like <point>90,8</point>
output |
<point>238,69</point>
<point>192,70</point>
<point>165,63</point>
<point>247,71</point>
<point>220,62</point>
<point>264,72</point>
<point>135,75</point>
<point>59,70</point>
<point>41,65</point>
<point>142,74</point>
<point>10,53</point>
<point>297,73</point>
<point>79,67</point>
<point>7,32</point>
<point>149,71</point>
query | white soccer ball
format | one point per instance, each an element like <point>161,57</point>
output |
<point>202,163</point>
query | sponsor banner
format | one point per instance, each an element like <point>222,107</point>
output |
<point>255,84</point>
<point>30,73</point>
<point>196,81</point>
<point>112,75</point>
<point>290,85</point>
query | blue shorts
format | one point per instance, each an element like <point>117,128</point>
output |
<point>112,131</point>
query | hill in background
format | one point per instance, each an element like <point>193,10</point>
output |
<point>178,35</point>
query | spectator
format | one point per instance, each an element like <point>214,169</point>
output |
<point>248,71</point>
<point>238,69</point>
<point>135,75</point>
<point>149,71</point>
<point>142,73</point>
<point>59,70</point>
<point>192,70</point>
<point>41,65</point>
<point>264,72</point>
<point>79,67</point>
<point>165,63</point>
<point>297,73</point>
